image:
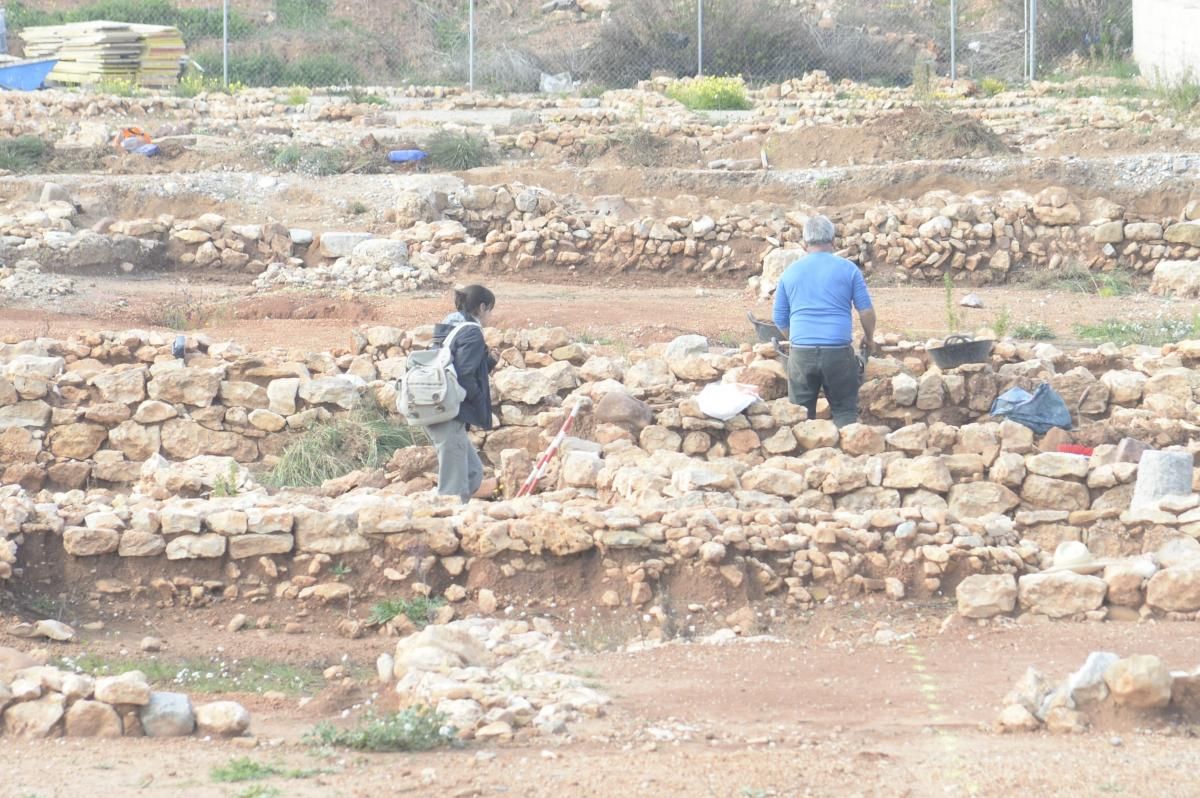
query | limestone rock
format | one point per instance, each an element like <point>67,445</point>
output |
<point>986,595</point>
<point>34,719</point>
<point>1141,682</point>
<point>1061,594</point>
<point>977,499</point>
<point>1175,589</point>
<point>93,719</point>
<point>167,715</point>
<point>128,688</point>
<point>222,719</point>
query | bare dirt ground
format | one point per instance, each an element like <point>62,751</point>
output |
<point>634,312</point>
<point>821,711</point>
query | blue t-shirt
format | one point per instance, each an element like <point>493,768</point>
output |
<point>813,299</point>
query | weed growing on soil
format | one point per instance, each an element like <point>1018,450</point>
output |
<point>1001,323</point>
<point>1154,332</point>
<point>205,675</point>
<point>364,438</point>
<point>246,769</point>
<point>711,94</point>
<point>420,610</point>
<point>183,312</point>
<point>360,97</point>
<point>457,151</point>
<point>419,728</point>
<point>314,161</point>
<point>358,208</point>
<point>118,87</point>
<point>259,791</point>
<point>1082,281</point>
<point>340,570</point>
<point>1033,331</point>
<point>23,153</point>
<point>951,314</point>
<point>992,86</point>
<point>639,147</point>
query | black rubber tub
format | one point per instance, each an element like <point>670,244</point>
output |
<point>958,350</point>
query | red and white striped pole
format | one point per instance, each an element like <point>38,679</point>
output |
<point>539,469</point>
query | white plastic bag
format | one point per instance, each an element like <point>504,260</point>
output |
<point>725,400</point>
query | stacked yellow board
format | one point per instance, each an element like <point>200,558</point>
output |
<point>93,52</point>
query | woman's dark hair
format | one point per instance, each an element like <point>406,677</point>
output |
<point>470,299</point>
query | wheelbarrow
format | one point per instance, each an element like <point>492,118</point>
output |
<point>958,350</point>
<point>765,330</point>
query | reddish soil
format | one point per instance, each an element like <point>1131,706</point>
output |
<point>620,316</point>
<point>821,712</point>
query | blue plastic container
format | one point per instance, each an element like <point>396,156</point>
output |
<point>406,156</point>
<point>26,75</point>
<point>149,150</point>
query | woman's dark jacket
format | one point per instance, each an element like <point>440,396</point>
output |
<point>473,362</point>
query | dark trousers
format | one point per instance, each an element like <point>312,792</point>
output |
<point>833,369</point>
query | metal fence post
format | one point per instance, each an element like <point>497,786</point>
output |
<point>1032,40</point>
<point>699,38</point>
<point>953,43</point>
<point>471,45</point>
<point>225,43</point>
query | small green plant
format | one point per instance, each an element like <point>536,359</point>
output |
<point>1151,332</point>
<point>298,95</point>
<point>992,86</point>
<point>362,438</point>
<point>922,78</point>
<point>246,769</point>
<point>824,183</point>
<point>243,769</point>
<point>710,93</point>
<point>23,153</point>
<point>301,13</point>
<point>118,87</point>
<point>1181,94</point>
<point>201,675</point>
<point>260,791</point>
<point>639,147</point>
<point>227,485</point>
<point>360,97</point>
<point>1033,331</point>
<point>358,208</point>
<point>320,161</point>
<point>340,570</point>
<point>419,728</point>
<point>457,151</point>
<point>1001,323</point>
<point>951,314</point>
<point>420,610</point>
<point>1113,284</point>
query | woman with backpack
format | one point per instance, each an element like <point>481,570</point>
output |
<point>460,471</point>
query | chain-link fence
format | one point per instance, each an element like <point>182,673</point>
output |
<point>516,45</point>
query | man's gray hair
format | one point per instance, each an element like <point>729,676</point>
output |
<point>818,230</point>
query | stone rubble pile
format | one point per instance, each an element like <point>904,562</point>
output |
<point>1140,685</point>
<point>24,280</point>
<point>492,679</point>
<point>38,701</point>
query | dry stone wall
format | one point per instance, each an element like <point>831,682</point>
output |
<point>115,448</point>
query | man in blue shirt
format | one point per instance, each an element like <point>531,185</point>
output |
<point>812,308</point>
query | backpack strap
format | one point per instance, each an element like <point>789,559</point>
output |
<point>445,354</point>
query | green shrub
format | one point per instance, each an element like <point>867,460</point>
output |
<point>301,13</point>
<point>457,151</point>
<point>419,728</point>
<point>1181,95</point>
<point>298,95</point>
<point>23,153</point>
<point>711,94</point>
<point>420,610</point>
<point>363,438</point>
<point>313,161</point>
<point>1033,331</point>
<point>992,86</point>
